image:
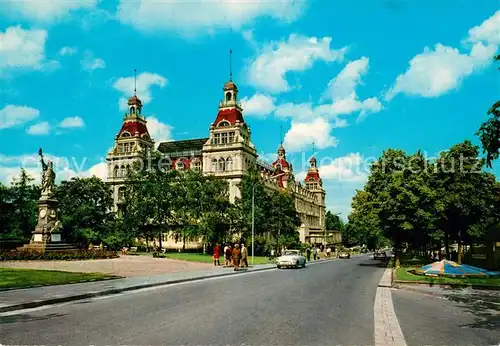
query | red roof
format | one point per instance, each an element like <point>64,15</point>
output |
<point>134,127</point>
<point>284,163</point>
<point>312,176</point>
<point>230,114</point>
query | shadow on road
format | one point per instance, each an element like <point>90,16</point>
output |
<point>484,305</point>
<point>27,318</point>
<point>375,263</point>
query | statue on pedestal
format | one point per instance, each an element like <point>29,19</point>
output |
<point>48,176</point>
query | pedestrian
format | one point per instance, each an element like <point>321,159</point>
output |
<point>228,255</point>
<point>244,256</point>
<point>315,253</point>
<point>308,254</point>
<point>216,255</point>
<point>236,257</point>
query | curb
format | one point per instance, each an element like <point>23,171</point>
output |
<point>397,284</point>
<point>35,304</point>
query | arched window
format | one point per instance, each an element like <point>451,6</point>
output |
<point>122,172</point>
<point>179,165</point>
<point>229,164</point>
<point>223,123</point>
<point>125,134</point>
<point>222,164</point>
<point>132,110</point>
<point>278,167</point>
<point>116,172</point>
<point>214,165</point>
<point>228,96</point>
<point>121,193</point>
<point>138,111</point>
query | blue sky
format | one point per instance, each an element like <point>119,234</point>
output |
<point>354,77</point>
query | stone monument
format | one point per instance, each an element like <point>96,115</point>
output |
<point>47,233</point>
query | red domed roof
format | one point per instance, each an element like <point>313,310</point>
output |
<point>312,176</point>
<point>230,85</point>
<point>134,100</point>
<point>282,162</point>
<point>230,114</point>
<point>134,127</point>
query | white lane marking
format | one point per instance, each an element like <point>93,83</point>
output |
<point>386,325</point>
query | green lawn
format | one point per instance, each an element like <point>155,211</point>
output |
<point>403,274</point>
<point>21,278</point>
<point>198,257</point>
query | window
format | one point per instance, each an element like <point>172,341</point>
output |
<point>126,147</point>
<point>120,148</point>
<point>229,164</point>
<point>217,138</point>
<point>228,96</point>
<point>224,138</point>
<point>123,172</point>
<point>116,172</point>
<point>278,167</point>
<point>196,165</point>
<point>223,123</point>
<point>179,165</point>
<point>231,137</point>
<point>125,134</point>
<point>138,111</point>
<point>121,193</point>
<point>214,165</point>
<point>132,110</point>
<point>222,165</point>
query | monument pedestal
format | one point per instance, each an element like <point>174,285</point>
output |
<point>47,233</point>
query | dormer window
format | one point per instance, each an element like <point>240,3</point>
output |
<point>224,123</point>
<point>125,134</point>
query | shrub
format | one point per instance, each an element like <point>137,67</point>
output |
<point>30,255</point>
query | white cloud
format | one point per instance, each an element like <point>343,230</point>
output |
<point>12,115</point>
<point>349,168</point>
<point>21,48</point>
<point>40,129</point>
<point>44,11</point>
<point>268,70</point>
<point>145,81</point>
<point>441,69</point>
<point>71,122</point>
<point>204,16</point>
<point>159,132</point>
<point>258,105</point>
<point>67,51</point>
<point>488,31</point>
<point>344,84</point>
<point>303,134</point>
<point>91,63</point>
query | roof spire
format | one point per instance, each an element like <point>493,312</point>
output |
<point>230,64</point>
<point>135,82</point>
<point>281,134</point>
<point>313,149</point>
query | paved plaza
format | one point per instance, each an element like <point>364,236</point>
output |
<point>127,266</point>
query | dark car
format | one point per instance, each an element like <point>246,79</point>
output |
<point>379,255</point>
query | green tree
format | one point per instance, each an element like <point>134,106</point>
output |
<point>333,222</point>
<point>23,196</point>
<point>489,132</point>
<point>84,204</point>
<point>6,213</point>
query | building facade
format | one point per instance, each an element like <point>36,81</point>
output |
<point>227,153</point>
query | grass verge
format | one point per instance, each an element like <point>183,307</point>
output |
<point>403,274</point>
<point>23,278</point>
<point>198,257</point>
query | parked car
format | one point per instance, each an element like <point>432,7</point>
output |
<point>291,258</point>
<point>344,254</point>
<point>380,255</point>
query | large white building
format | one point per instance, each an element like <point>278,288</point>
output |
<point>227,153</point>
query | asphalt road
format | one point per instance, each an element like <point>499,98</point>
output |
<point>329,303</point>
<point>448,317</point>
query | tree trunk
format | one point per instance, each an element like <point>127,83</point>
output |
<point>160,236</point>
<point>446,243</point>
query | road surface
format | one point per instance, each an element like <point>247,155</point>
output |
<point>329,303</point>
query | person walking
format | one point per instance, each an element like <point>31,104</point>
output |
<point>228,254</point>
<point>236,257</point>
<point>315,253</point>
<point>244,256</point>
<point>216,255</point>
<point>308,254</point>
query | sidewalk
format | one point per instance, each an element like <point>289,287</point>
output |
<point>33,297</point>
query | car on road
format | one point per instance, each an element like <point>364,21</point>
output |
<point>344,254</point>
<point>380,255</point>
<point>291,258</point>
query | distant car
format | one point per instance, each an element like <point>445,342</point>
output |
<point>344,254</point>
<point>291,258</point>
<point>380,255</point>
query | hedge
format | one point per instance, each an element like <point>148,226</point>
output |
<point>30,255</point>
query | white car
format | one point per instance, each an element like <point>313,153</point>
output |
<point>291,258</point>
